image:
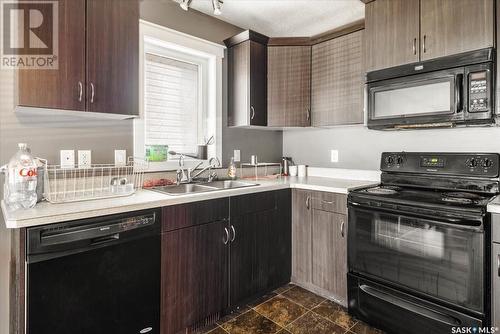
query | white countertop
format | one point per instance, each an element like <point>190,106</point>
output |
<point>46,213</point>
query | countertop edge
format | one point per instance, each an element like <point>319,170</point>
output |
<point>168,200</point>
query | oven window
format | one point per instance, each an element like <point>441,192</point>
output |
<point>436,259</point>
<point>413,99</point>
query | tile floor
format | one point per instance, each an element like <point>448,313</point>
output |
<point>291,310</point>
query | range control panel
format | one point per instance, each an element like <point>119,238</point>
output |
<point>478,92</point>
<point>466,164</point>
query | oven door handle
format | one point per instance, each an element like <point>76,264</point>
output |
<point>459,78</point>
<point>412,307</point>
<point>447,221</point>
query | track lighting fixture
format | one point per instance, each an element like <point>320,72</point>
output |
<point>185,4</point>
<point>216,5</point>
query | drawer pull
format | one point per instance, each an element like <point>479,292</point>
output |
<point>498,264</point>
<point>326,202</point>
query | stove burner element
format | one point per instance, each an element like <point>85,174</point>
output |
<point>461,197</point>
<point>384,190</point>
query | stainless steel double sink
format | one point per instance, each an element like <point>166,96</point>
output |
<point>191,188</point>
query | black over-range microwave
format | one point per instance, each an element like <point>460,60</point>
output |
<point>444,92</point>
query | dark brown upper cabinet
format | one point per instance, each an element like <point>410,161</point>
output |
<point>405,31</point>
<point>113,56</point>
<point>98,61</point>
<point>63,88</point>
<point>337,81</point>
<point>247,79</point>
<point>289,86</point>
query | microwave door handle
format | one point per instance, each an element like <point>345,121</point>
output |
<point>459,78</point>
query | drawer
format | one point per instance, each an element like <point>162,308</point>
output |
<point>495,227</point>
<point>184,215</point>
<point>251,203</point>
<point>330,202</point>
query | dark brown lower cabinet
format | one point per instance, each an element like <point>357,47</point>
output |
<point>194,276</point>
<point>260,252</point>
<point>211,264</point>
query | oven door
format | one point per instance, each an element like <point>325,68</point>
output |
<point>428,257</point>
<point>430,99</point>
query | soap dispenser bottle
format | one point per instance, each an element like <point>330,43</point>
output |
<point>231,170</point>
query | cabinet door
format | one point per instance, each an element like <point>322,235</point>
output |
<point>392,33</point>
<point>247,84</point>
<point>337,81</point>
<point>329,253</point>
<point>496,285</point>
<point>113,56</point>
<point>301,236</point>
<point>451,27</point>
<point>289,85</point>
<point>194,276</point>
<point>258,84</point>
<point>63,88</point>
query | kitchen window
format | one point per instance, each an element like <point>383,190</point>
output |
<point>181,95</point>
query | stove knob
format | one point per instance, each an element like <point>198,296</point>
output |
<point>487,163</point>
<point>399,160</point>
<point>472,163</point>
<point>389,160</point>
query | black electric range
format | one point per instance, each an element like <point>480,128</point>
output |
<point>418,247</point>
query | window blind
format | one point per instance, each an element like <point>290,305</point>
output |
<point>171,106</point>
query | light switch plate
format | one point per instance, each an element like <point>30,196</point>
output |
<point>237,156</point>
<point>84,158</point>
<point>334,156</point>
<point>67,158</point>
<point>120,157</point>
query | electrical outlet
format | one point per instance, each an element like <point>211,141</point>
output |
<point>67,158</point>
<point>237,156</point>
<point>84,158</point>
<point>120,157</point>
<point>334,155</point>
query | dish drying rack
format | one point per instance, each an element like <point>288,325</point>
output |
<point>64,184</point>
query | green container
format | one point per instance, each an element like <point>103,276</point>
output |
<point>157,153</point>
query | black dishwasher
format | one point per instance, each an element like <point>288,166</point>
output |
<point>99,275</point>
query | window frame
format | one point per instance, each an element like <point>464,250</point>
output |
<point>208,55</point>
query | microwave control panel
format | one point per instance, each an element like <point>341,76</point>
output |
<point>478,92</point>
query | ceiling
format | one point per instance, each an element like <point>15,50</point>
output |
<point>286,18</point>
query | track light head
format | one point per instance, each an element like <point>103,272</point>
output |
<point>185,4</point>
<point>217,4</point>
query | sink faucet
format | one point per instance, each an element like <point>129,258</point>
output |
<point>183,173</point>
<point>212,163</point>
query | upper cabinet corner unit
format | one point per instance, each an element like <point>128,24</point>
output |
<point>98,57</point>
<point>405,31</point>
<point>247,79</point>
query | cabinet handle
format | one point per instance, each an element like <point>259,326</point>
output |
<point>498,264</point>
<point>414,46</point>
<point>326,202</point>
<point>342,229</point>
<point>308,200</point>
<point>234,233</point>
<point>308,114</point>
<point>423,44</point>
<point>226,240</point>
<point>252,115</point>
<point>80,91</point>
<point>92,92</point>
